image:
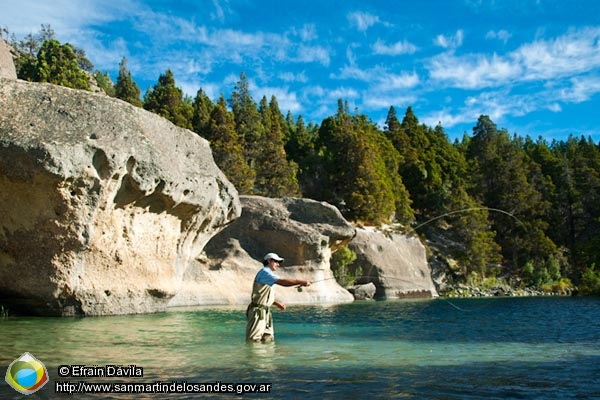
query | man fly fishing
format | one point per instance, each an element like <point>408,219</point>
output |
<point>260,321</point>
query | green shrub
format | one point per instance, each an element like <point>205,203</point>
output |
<point>340,262</point>
<point>590,281</point>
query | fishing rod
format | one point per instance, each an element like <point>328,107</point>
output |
<point>378,277</point>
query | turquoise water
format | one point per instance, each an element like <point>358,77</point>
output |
<point>521,348</point>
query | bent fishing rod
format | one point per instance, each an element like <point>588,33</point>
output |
<point>378,277</point>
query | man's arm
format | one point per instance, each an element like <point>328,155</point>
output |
<point>292,282</point>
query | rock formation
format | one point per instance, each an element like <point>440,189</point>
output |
<point>303,231</point>
<point>102,204</point>
<point>7,66</point>
<point>395,263</point>
<point>106,209</point>
<point>364,291</point>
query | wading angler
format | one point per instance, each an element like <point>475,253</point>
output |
<point>260,321</point>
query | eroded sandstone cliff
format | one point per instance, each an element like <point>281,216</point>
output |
<point>395,263</point>
<point>102,204</point>
<point>305,232</point>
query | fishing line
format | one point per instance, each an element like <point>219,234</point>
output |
<point>455,306</point>
<point>299,288</point>
<point>466,210</point>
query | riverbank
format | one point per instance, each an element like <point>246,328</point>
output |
<point>468,291</point>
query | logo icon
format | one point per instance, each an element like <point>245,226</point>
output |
<point>26,374</point>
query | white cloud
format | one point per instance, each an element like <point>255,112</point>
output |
<point>362,21</point>
<point>351,72</point>
<point>501,35</point>
<point>293,77</point>
<point>403,47</point>
<point>310,54</point>
<point>391,81</point>
<point>497,105</point>
<point>554,107</point>
<point>450,42</point>
<point>501,104</point>
<point>385,101</point>
<point>350,56</point>
<point>580,89</point>
<point>239,40</point>
<point>571,54</point>
<point>342,93</point>
<point>219,13</point>
<point>308,32</point>
<point>472,71</point>
<point>66,17</point>
<point>104,57</point>
<point>379,77</point>
<point>575,52</point>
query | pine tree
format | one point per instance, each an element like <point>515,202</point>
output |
<point>418,170</point>
<point>500,173</point>
<point>228,149</point>
<point>126,89</point>
<point>275,176</point>
<point>359,168</point>
<point>300,148</point>
<point>392,159</point>
<point>397,135</point>
<point>105,83</point>
<point>202,108</point>
<point>578,200</point>
<point>247,121</point>
<point>166,100</point>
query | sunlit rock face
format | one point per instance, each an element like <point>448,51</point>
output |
<point>7,66</point>
<point>303,231</point>
<point>103,205</point>
<point>394,262</point>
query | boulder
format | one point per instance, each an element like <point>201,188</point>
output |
<point>7,66</point>
<point>305,232</point>
<point>395,263</point>
<point>103,205</point>
<point>363,292</point>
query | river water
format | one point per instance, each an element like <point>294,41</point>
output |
<point>504,348</point>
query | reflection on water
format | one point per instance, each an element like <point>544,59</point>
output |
<point>528,348</point>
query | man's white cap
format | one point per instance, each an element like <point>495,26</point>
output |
<point>274,256</point>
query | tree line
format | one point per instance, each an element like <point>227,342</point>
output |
<point>506,205</point>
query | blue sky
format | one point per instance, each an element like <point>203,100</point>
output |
<point>533,66</point>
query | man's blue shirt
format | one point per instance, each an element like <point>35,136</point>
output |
<point>266,276</point>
